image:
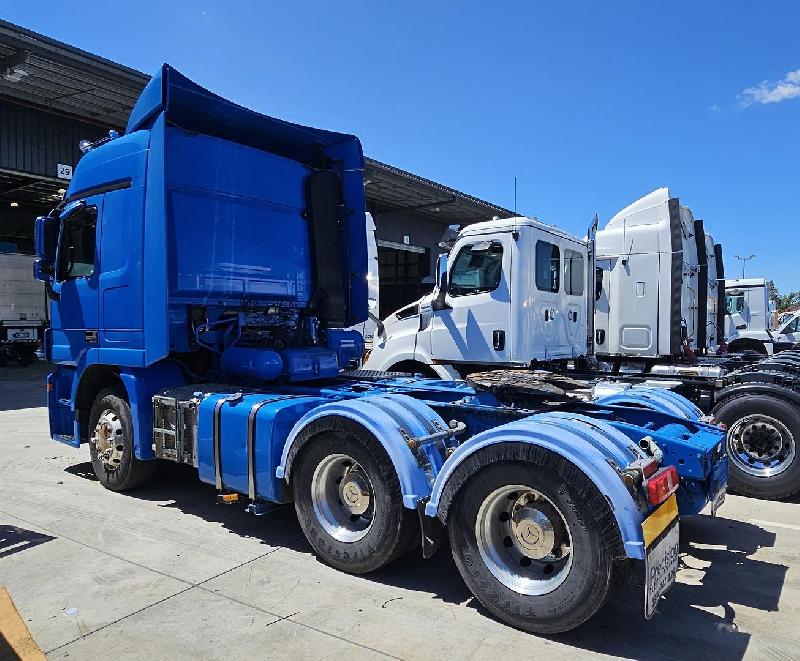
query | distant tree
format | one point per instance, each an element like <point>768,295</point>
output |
<point>772,288</point>
<point>790,301</point>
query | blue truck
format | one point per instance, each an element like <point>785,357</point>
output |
<point>203,271</point>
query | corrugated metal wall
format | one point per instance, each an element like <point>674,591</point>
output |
<point>35,142</point>
<point>420,231</point>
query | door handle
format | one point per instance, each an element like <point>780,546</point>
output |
<point>90,336</point>
<point>499,340</point>
<point>600,336</point>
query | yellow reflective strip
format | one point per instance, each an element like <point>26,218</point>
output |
<point>14,632</point>
<point>658,521</point>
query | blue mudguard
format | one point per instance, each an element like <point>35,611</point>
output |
<point>392,419</point>
<point>654,399</point>
<point>594,446</point>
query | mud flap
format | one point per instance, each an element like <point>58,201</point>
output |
<point>431,528</point>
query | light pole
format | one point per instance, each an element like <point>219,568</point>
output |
<point>744,261</point>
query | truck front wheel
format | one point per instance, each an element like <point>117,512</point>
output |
<point>349,504</point>
<point>762,445</point>
<point>529,546</point>
<point>111,443</point>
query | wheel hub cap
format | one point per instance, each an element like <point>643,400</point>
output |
<point>343,498</point>
<point>355,493</point>
<point>533,532</point>
<point>760,445</point>
<point>524,540</point>
<point>109,439</point>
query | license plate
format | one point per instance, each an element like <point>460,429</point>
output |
<point>17,334</point>
<point>661,540</point>
<point>716,503</point>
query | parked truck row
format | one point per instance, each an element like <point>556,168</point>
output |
<point>640,303</point>
<point>205,270</point>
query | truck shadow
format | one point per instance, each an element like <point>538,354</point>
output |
<point>695,621</point>
<point>177,486</point>
<point>23,387</point>
<point>14,540</point>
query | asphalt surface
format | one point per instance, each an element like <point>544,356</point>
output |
<point>164,572</point>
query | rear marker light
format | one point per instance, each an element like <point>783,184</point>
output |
<point>662,485</point>
<point>649,469</point>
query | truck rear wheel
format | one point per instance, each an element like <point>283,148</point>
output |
<point>111,443</point>
<point>762,445</point>
<point>349,504</point>
<point>529,544</point>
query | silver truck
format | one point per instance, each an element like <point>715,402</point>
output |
<point>23,309</point>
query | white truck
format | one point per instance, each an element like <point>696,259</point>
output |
<point>23,309</point>
<point>516,293</point>
<point>750,319</point>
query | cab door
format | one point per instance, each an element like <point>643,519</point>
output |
<point>74,313</point>
<point>575,298</point>
<point>474,324</point>
<point>555,317</point>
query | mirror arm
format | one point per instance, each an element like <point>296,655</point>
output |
<point>439,303</point>
<point>378,324</point>
<point>52,294</point>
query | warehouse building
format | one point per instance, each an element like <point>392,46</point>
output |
<point>53,95</point>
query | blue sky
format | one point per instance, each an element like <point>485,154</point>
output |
<point>589,104</point>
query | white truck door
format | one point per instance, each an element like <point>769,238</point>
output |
<point>474,325</point>
<point>575,298</point>
<point>635,305</point>
<point>602,308</point>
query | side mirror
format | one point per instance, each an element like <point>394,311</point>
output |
<point>46,241</point>
<point>439,303</point>
<point>441,269</point>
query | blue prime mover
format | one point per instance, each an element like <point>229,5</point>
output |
<point>204,269</point>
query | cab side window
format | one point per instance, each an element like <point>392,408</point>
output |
<point>735,303</point>
<point>548,272</point>
<point>573,272</point>
<point>476,269</point>
<point>76,246</point>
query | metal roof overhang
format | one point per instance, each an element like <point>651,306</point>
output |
<point>41,72</point>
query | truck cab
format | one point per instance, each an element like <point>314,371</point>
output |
<point>749,315</point>
<point>205,272</point>
<point>510,292</point>
<point>649,298</point>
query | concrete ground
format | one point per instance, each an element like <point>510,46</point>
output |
<point>164,572</point>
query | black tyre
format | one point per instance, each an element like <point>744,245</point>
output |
<point>111,443</point>
<point>533,539</point>
<point>761,441</point>
<point>748,348</point>
<point>412,367</point>
<point>348,501</point>
<point>26,356</point>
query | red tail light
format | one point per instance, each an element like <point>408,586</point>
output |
<point>662,485</point>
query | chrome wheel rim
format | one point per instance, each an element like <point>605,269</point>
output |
<point>109,439</point>
<point>760,445</point>
<point>343,498</point>
<point>524,540</point>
